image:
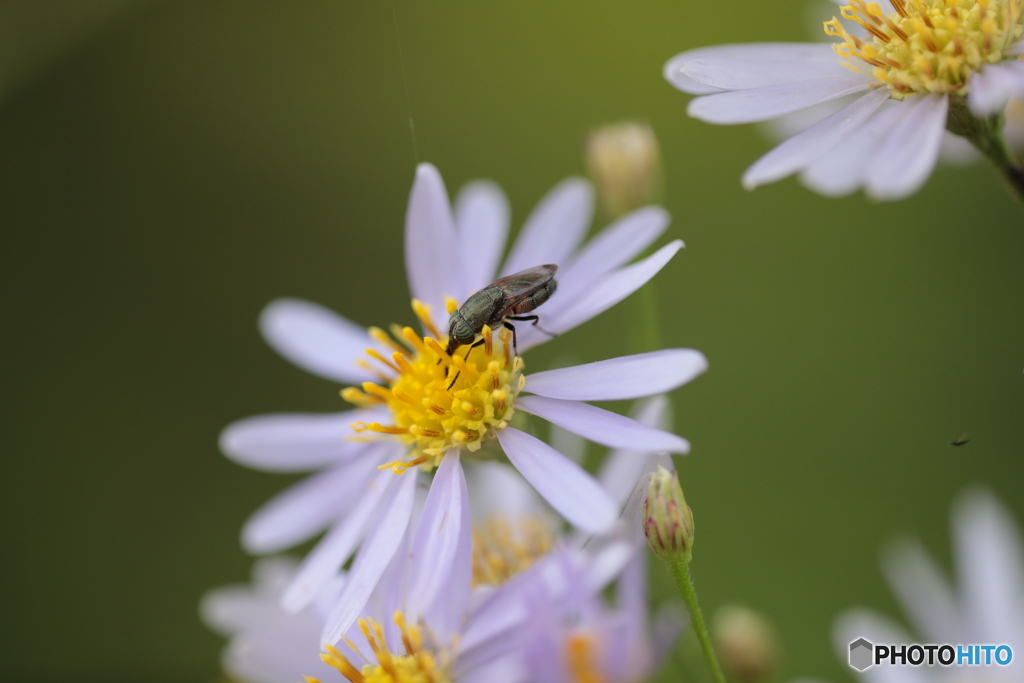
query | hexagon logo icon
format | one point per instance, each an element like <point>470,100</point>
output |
<point>861,652</point>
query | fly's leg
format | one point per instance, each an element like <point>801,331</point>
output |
<point>535,319</point>
<point>473,346</point>
<point>508,326</point>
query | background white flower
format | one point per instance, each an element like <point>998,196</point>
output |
<point>954,150</point>
<point>912,57</point>
<point>984,605</point>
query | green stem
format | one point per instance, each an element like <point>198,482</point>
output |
<point>986,134</point>
<point>681,573</point>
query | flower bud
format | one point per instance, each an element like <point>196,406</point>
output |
<point>746,643</point>
<point>624,161</point>
<point>668,521</point>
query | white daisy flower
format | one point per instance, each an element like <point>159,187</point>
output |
<point>473,631</point>
<point>985,606</point>
<point>953,151</point>
<point>429,409</point>
<point>941,60</point>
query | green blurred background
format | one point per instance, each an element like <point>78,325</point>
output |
<point>169,167</point>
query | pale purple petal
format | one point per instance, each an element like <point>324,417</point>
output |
<point>316,339</point>
<point>293,442</point>
<point>442,525</point>
<point>623,467</point>
<point>861,623</point>
<point>1015,49</point>
<point>669,623</point>
<point>499,489</point>
<point>447,615</point>
<point>602,426</point>
<point>990,564</point>
<point>543,649</point>
<point>233,609</point>
<point>334,549</point>
<point>789,125</point>
<point>555,228</point>
<point>631,600</point>
<point>844,169</point>
<point>609,553</point>
<point>807,147</point>
<point>603,295</point>
<point>907,156</point>
<point>373,558</point>
<point>494,669</point>
<point>572,446</point>
<point>994,85</point>
<point>481,216</point>
<point>958,151</point>
<point>566,486</point>
<point>431,244</point>
<point>626,377</point>
<point>745,74</point>
<point>674,74</point>
<point>768,102</point>
<point>632,511</point>
<point>615,246</point>
<point>924,592</point>
<point>304,509</point>
<point>277,655</point>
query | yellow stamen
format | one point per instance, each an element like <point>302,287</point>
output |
<point>384,338</point>
<point>440,402</point>
<point>379,428</point>
<point>435,347</point>
<point>376,390</point>
<point>356,397</point>
<point>422,312</point>
<point>418,664</point>
<point>451,305</point>
<point>927,46</point>
<point>502,548</point>
<point>374,371</point>
<point>487,334</point>
<point>377,355</point>
<point>337,660</point>
<point>400,467</point>
<point>583,667</point>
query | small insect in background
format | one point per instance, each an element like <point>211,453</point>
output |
<point>509,298</point>
<point>960,440</point>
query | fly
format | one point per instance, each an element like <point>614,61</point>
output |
<point>960,440</point>
<point>510,298</point>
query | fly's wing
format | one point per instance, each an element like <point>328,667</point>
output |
<point>518,286</point>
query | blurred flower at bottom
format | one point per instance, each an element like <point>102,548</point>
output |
<point>985,605</point>
<point>478,630</point>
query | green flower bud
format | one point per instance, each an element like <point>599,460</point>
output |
<point>668,520</point>
<point>625,163</point>
<point>746,644</point>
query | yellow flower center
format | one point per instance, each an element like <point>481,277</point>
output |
<point>583,667</point>
<point>927,46</point>
<point>417,665</point>
<point>503,548</point>
<point>439,402</point>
